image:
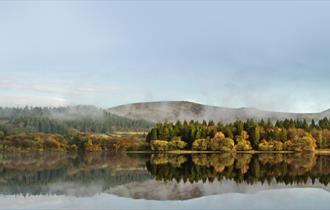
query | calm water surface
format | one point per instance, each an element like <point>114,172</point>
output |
<point>164,181</point>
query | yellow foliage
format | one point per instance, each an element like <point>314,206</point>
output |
<point>159,145</point>
<point>243,145</point>
<point>219,135</point>
<point>200,145</point>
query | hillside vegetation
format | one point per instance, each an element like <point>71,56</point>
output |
<point>79,128</point>
<point>75,141</point>
<point>61,120</point>
<point>87,128</point>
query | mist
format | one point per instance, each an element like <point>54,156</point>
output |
<point>182,110</point>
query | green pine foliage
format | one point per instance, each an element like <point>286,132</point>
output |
<point>61,120</point>
<point>288,134</point>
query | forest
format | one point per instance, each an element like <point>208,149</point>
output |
<point>87,129</point>
<point>60,120</point>
<point>285,135</point>
<point>83,128</point>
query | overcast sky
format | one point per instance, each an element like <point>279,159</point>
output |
<point>272,55</point>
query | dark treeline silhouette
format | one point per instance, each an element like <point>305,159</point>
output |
<point>297,135</point>
<point>264,168</point>
<point>60,120</point>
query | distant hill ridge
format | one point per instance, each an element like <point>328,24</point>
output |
<point>185,110</point>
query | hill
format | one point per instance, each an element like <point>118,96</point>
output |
<point>61,119</point>
<point>184,110</point>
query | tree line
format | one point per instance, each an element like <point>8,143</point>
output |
<point>78,128</point>
<point>61,120</point>
<point>288,134</point>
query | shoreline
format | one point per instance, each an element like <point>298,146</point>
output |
<point>178,152</point>
<point>317,152</point>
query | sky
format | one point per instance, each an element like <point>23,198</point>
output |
<point>248,197</point>
<point>271,55</point>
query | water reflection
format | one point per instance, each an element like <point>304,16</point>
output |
<point>159,176</point>
<point>283,168</point>
<point>74,174</point>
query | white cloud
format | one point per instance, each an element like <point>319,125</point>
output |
<point>56,87</point>
<point>31,100</point>
<point>18,92</point>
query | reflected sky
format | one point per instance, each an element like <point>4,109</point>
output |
<point>163,181</point>
<point>307,198</point>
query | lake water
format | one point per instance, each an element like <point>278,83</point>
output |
<point>164,181</point>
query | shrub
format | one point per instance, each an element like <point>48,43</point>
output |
<point>270,146</point>
<point>265,146</point>
<point>159,145</point>
<point>200,145</point>
<point>176,144</point>
<point>243,145</point>
<point>221,144</point>
<point>219,135</point>
<point>278,146</point>
<point>300,144</point>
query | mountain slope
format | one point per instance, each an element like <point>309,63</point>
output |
<point>62,119</point>
<point>183,110</point>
